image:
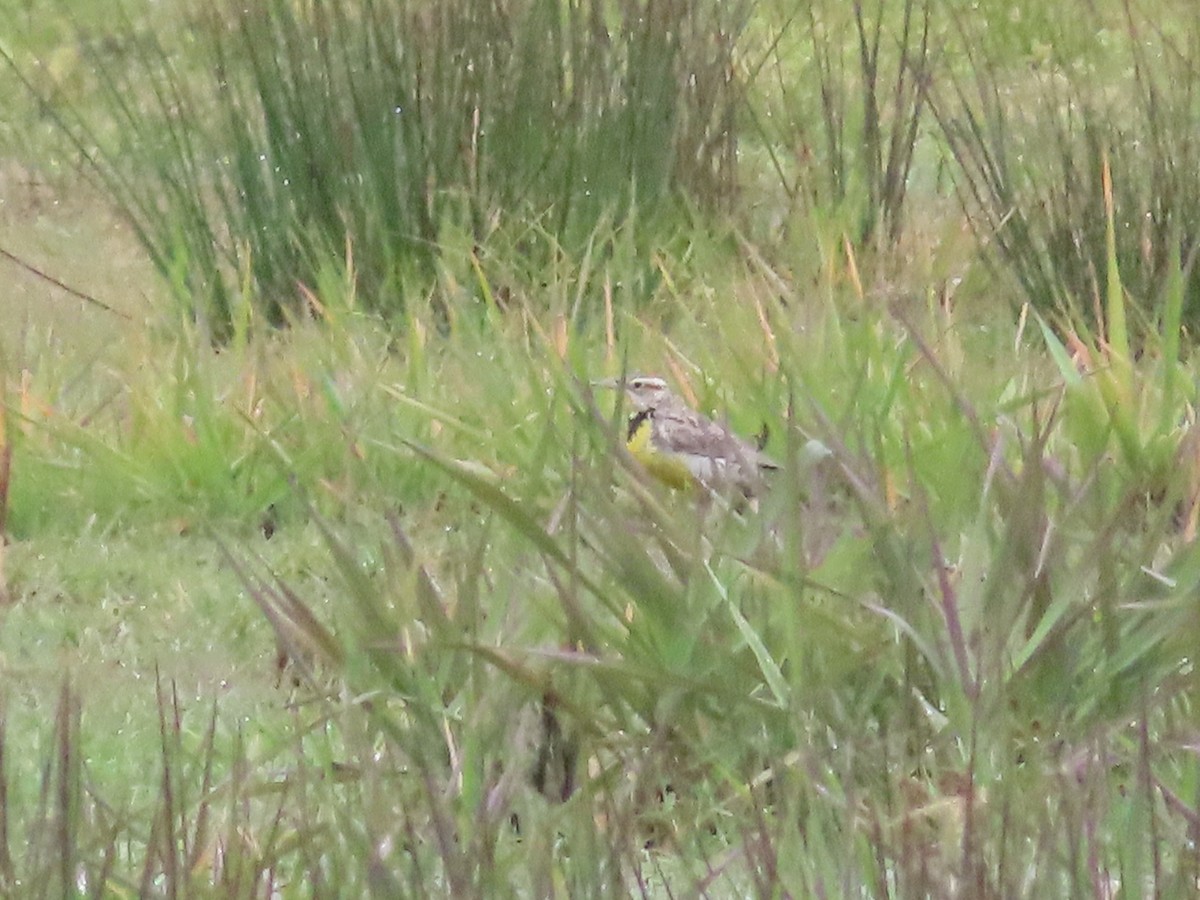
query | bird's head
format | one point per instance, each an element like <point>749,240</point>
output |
<point>645,392</point>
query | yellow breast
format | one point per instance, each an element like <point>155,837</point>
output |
<point>667,468</point>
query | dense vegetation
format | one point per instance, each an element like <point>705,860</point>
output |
<point>326,572</point>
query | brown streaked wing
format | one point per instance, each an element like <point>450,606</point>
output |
<point>695,435</point>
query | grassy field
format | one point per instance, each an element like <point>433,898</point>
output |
<point>326,573</point>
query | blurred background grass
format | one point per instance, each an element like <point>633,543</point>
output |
<point>323,566</point>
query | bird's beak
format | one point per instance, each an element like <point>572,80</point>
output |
<point>611,384</point>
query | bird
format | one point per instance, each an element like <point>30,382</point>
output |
<point>681,447</point>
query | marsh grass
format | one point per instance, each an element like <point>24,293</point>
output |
<point>530,669</point>
<point>843,93</point>
<point>460,644</point>
<point>291,132</point>
<point>910,641</point>
<point>1032,154</point>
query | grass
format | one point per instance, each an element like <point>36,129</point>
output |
<point>270,141</point>
<point>376,604</point>
<point>1033,152</point>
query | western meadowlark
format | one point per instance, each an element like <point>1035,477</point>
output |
<point>679,446</point>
